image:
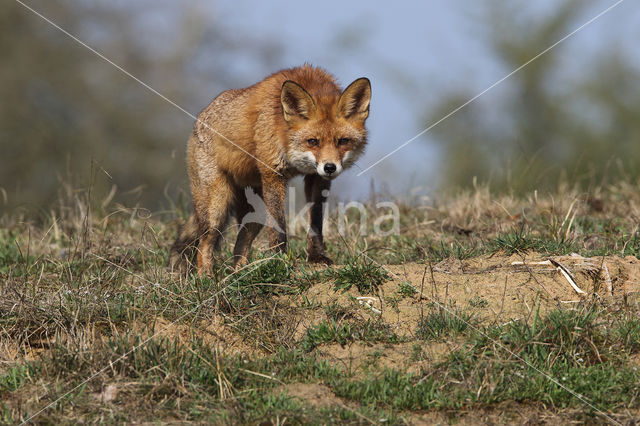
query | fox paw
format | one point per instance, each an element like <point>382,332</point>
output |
<point>319,258</point>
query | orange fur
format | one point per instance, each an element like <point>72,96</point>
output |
<point>296,121</point>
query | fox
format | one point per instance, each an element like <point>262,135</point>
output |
<point>297,121</point>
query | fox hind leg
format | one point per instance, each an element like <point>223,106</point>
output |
<point>183,250</point>
<point>212,218</point>
<point>248,231</point>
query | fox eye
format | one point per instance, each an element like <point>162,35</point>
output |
<point>313,142</point>
<point>343,141</point>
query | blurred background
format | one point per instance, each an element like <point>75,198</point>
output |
<point>68,116</point>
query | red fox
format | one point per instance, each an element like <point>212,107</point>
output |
<point>296,121</point>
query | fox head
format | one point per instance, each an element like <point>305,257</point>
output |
<point>326,131</point>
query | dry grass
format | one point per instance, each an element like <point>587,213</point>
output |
<point>93,326</point>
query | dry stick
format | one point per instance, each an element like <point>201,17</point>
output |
<point>607,278</point>
<point>446,292</point>
<point>535,303</point>
<point>433,284</point>
<point>380,294</point>
<point>566,234</point>
<point>264,376</point>
<point>565,272</point>
<point>28,253</point>
<point>223,379</point>
<point>531,274</point>
<point>594,348</point>
<point>424,274</point>
<point>504,294</point>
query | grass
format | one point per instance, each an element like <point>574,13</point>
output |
<point>343,333</point>
<point>363,273</point>
<point>522,241</point>
<point>478,302</point>
<point>444,322</point>
<point>576,347</point>
<point>405,289</point>
<point>15,377</point>
<point>82,286</point>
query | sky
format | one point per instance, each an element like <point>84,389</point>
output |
<point>412,52</point>
<point>385,44</point>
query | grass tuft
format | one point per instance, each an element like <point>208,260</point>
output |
<point>444,322</point>
<point>361,272</point>
<point>364,331</point>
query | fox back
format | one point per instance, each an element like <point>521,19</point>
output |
<point>296,121</point>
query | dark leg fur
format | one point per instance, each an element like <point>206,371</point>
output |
<point>313,188</point>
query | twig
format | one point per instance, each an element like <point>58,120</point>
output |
<point>424,274</point>
<point>534,277</point>
<point>567,275</point>
<point>607,279</point>
<point>504,294</point>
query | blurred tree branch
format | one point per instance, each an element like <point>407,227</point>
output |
<point>546,126</point>
<point>63,107</point>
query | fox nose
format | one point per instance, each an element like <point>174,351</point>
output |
<point>329,168</point>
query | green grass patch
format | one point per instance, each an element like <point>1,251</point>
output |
<point>360,272</point>
<point>196,381</point>
<point>523,240</point>
<point>332,332</point>
<point>579,350</point>
<point>478,302</point>
<point>15,376</point>
<point>405,289</point>
<point>454,250</point>
<point>442,322</point>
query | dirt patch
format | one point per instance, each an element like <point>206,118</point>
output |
<point>13,352</point>
<point>494,289</point>
<point>507,413</point>
<point>212,332</point>
<point>634,359</point>
<point>497,288</point>
<point>374,358</point>
<point>502,288</point>
<point>317,395</point>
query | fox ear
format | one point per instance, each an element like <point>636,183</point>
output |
<point>354,101</point>
<point>296,102</point>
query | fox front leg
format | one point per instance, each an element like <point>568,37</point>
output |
<point>274,191</point>
<point>315,190</point>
